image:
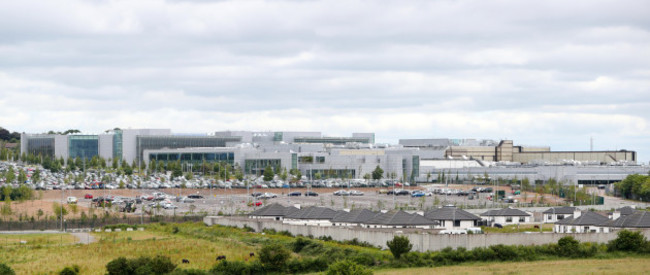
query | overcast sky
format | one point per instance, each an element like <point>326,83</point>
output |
<point>539,72</point>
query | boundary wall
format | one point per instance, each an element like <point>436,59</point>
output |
<point>422,241</point>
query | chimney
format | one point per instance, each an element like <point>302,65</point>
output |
<point>616,215</point>
<point>297,205</point>
<point>576,213</point>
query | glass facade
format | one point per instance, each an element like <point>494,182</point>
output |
<point>415,167</point>
<point>43,146</point>
<point>294,161</point>
<point>174,142</point>
<point>256,166</point>
<point>195,158</point>
<point>117,145</point>
<point>83,146</point>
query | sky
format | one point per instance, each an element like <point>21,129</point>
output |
<point>554,73</point>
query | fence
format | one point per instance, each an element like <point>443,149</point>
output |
<point>91,223</point>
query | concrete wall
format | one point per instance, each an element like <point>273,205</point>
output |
<point>421,242</point>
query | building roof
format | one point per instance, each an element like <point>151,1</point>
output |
<point>561,210</point>
<point>450,213</point>
<point>399,218</point>
<point>505,212</point>
<point>273,210</point>
<point>313,213</point>
<point>585,218</point>
<point>626,210</point>
<point>640,219</point>
<point>355,216</point>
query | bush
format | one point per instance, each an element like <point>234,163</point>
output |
<point>236,268</point>
<point>143,265</point>
<point>188,272</point>
<point>299,244</point>
<point>274,257</point>
<point>6,270</point>
<point>568,247</point>
<point>70,270</point>
<point>626,240</point>
<point>348,268</point>
<point>399,245</point>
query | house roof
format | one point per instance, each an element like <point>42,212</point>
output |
<point>585,218</point>
<point>273,210</point>
<point>561,210</point>
<point>399,218</point>
<point>450,213</point>
<point>313,213</point>
<point>626,210</point>
<point>505,212</point>
<point>640,219</point>
<point>355,216</point>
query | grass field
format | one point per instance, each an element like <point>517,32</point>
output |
<point>517,228</point>
<point>92,258</point>
<point>639,265</point>
<point>11,240</point>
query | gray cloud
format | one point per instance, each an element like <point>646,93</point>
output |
<point>543,73</point>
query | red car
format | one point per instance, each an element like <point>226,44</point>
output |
<point>88,196</point>
<point>257,203</point>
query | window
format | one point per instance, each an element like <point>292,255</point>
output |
<point>320,159</point>
<point>508,219</point>
<point>550,217</point>
<point>456,223</point>
<point>560,217</point>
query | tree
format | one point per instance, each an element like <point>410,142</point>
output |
<point>378,173</point>
<point>36,176</point>
<point>6,210</point>
<point>428,176</point>
<point>115,164</point>
<point>59,210</point>
<point>39,213</point>
<point>399,245</point>
<point>367,176</point>
<point>283,174</point>
<point>628,241</point>
<point>268,173</point>
<point>22,177</point>
<point>274,256</point>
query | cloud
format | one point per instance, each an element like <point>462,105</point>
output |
<point>546,73</point>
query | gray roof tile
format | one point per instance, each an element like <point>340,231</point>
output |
<point>450,213</point>
<point>400,218</point>
<point>505,212</point>
<point>640,219</point>
<point>585,218</point>
<point>561,210</point>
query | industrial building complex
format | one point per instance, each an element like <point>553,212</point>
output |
<point>411,160</point>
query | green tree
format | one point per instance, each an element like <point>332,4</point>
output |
<point>115,164</point>
<point>274,256</point>
<point>627,240</point>
<point>59,210</point>
<point>284,175</point>
<point>268,173</point>
<point>39,214</point>
<point>378,173</point>
<point>399,245</point>
<point>6,210</point>
<point>22,177</point>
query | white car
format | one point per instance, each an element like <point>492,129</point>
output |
<point>356,193</point>
<point>268,196</point>
<point>72,200</point>
<point>341,193</point>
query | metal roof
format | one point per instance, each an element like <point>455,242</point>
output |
<point>273,210</point>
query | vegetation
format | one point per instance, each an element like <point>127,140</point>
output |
<point>517,228</point>
<point>399,245</point>
<point>378,173</point>
<point>636,187</point>
<point>142,265</point>
<point>348,268</point>
<point>6,270</point>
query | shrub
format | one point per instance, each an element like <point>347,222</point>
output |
<point>70,270</point>
<point>627,240</point>
<point>6,270</point>
<point>189,272</point>
<point>568,247</point>
<point>299,244</point>
<point>143,265</point>
<point>274,256</point>
<point>233,268</point>
<point>504,252</point>
<point>399,245</point>
<point>348,268</point>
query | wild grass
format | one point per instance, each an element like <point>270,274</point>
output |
<point>13,240</point>
<point>628,265</point>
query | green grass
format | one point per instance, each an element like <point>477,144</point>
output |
<point>518,229</point>
<point>14,240</point>
<point>628,265</point>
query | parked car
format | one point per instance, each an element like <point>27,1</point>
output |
<point>256,194</point>
<point>294,194</point>
<point>195,196</point>
<point>402,193</point>
<point>88,196</point>
<point>356,193</point>
<point>341,193</point>
<point>311,194</point>
<point>417,194</point>
<point>268,196</point>
<point>72,200</point>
